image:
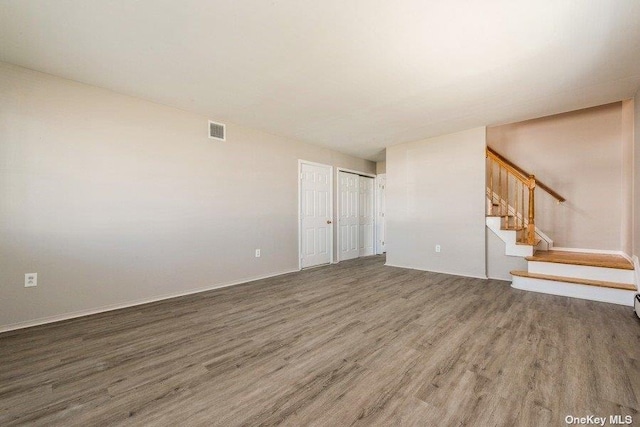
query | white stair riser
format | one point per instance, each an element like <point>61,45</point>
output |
<point>581,271</point>
<point>593,293</point>
<point>509,238</point>
<point>519,250</point>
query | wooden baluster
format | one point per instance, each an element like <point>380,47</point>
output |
<point>531,227</point>
<point>522,204</point>
<point>500,190</point>
<point>491,186</point>
<point>507,198</point>
<point>515,204</point>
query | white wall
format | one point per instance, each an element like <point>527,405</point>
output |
<point>436,196</point>
<point>114,200</point>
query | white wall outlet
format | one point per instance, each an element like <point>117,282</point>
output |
<point>30,280</point>
<point>437,248</point>
<point>257,253</point>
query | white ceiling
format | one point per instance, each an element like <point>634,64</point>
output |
<point>356,75</point>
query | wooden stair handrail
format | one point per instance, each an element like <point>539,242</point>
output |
<point>521,174</point>
<point>515,172</point>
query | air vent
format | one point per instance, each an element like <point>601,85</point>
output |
<point>216,131</point>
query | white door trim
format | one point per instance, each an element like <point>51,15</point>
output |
<point>380,222</point>
<point>300,163</point>
<point>375,222</point>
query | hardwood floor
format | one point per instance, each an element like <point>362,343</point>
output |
<point>351,344</point>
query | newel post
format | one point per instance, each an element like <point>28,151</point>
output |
<point>531,227</point>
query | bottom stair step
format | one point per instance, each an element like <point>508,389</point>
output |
<point>601,283</point>
<point>595,290</point>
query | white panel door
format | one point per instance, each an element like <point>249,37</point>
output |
<point>315,215</point>
<point>381,184</point>
<point>366,216</point>
<point>348,185</point>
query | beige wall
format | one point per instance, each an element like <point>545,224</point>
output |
<point>500,265</point>
<point>626,212</point>
<point>114,200</point>
<point>436,196</point>
<point>636,176</point>
<point>579,154</point>
<point>381,167</point>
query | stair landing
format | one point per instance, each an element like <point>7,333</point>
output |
<point>582,258</point>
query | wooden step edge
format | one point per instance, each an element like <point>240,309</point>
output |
<point>599,283</point>
<point>603,264</point>
<point>537,242</point>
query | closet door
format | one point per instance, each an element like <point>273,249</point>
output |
<point>366,216</point>
<point>348,221</point>
<point>315,215</point>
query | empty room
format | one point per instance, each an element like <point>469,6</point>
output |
<point>319,213</point>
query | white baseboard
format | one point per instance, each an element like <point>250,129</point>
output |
<point>627,257</point>
<point>437,271</point>
<point>81,313</point>
<point>502,279</point>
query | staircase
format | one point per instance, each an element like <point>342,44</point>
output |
<point>578,274</point>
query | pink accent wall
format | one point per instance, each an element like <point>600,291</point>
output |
<point>580,155</point>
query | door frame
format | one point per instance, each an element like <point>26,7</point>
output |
<point>331,254</point>
<point>379,210</point>
<point>375,222</point>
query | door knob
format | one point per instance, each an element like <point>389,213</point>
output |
<point>328,221</point>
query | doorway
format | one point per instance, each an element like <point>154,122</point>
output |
<point>316,213</point>
<point>356,216</point>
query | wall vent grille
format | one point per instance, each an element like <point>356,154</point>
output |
<point>217,131</point>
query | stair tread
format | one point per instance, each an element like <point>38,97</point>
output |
<point>588,282</point>
<point>537,242</point>
<point>583,258</point>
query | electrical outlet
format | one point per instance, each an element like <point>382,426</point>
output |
<point>30,280</point>
<point>257,253</point>
<point>437,248</point>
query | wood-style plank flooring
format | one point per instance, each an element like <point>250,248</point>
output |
<point>356,343</point>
